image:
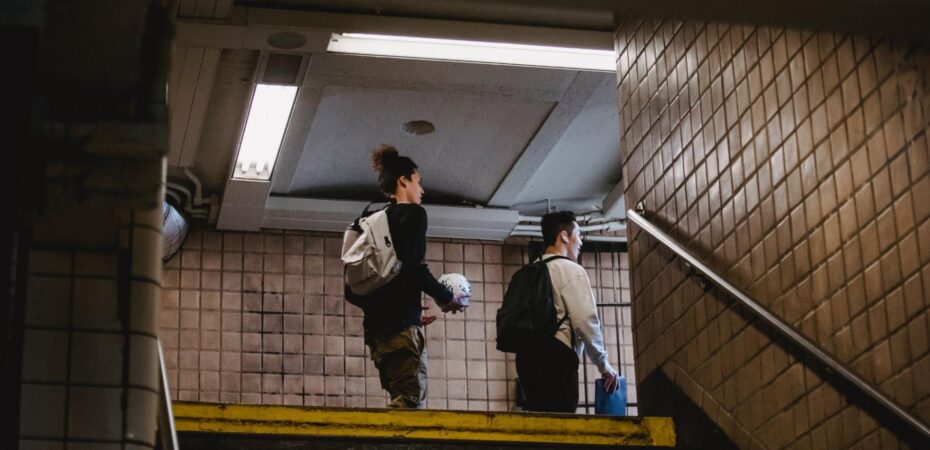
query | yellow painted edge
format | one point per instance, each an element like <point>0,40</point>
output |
<point>662,430</point>
<point>424,424</point>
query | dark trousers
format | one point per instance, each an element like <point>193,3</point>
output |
<point>549,377</point>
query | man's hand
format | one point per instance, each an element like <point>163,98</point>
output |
<point>458,304</point>
<point>426,320</point>
<point>611,381</point>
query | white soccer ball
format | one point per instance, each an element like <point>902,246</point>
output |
<point>458,284</point>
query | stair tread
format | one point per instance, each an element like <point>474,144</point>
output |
<point>434,425</point>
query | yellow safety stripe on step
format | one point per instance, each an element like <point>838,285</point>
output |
<point>425,424</point>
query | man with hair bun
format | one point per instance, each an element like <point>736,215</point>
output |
<point>393,314</point>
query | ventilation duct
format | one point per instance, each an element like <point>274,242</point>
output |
<point>174,231</point>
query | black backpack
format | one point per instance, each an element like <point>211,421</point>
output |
<point>527,316</point>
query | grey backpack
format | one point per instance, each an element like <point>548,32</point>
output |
<point>368,253</point>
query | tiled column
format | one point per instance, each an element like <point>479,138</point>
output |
<point>90,364</point>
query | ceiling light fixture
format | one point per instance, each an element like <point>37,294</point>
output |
<point>473,51</point>
<point>264,129</point>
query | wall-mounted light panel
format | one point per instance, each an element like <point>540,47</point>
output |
<point>473,51</point>
<point>269,112</point>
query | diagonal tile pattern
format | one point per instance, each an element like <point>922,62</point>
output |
<point>796,163</point>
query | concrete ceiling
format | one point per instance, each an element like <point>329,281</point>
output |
<point>485,117</point>
<point>476,142</point>
<point>506,138</point>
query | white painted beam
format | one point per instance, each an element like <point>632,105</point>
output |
<point>222,9</point>
<point>569,106</point>
<point>614,204</point>
<point>204,9</point>
<point>298,130</point>
<point>446,29</point>
<point>243,205</point>
<point>254,25</point>
<point>335,215</point>
<point>190,85</point>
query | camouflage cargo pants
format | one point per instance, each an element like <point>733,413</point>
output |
<point>401,361</point>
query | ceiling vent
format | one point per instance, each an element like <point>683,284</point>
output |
<point>418,127</point>
<point>287,40</point>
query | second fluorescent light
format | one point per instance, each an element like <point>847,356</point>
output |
<point>473,51</point>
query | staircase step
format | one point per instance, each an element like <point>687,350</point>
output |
<point>471,427</point>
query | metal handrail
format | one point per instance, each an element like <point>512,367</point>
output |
<point>783,328</point>
<point>168,435</point>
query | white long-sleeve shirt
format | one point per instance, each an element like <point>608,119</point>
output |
<point>571,291</point>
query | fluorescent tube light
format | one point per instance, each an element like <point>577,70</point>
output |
<point>473,51</point>
<point>264,130</point>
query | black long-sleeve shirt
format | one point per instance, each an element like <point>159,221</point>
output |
<point>397,304</point>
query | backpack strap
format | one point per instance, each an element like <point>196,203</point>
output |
<point>546,261</point>
<point>365,213</point>
<point>571,329</point>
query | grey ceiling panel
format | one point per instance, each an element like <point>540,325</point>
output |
<point>484,114</point>
<point>477,140</point>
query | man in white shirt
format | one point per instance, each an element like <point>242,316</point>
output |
<point>549,372</point>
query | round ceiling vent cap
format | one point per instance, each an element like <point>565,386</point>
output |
<point>418,127</point>
<point>287,40</point>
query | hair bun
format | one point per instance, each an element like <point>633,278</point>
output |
<point>383,155</point>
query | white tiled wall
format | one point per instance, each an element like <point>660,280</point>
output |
<point>260,319</point>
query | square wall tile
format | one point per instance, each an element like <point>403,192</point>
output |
<point>96,358</point>
<point>105,425</point>
<point>45,355</point>
<point>42,414</point>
